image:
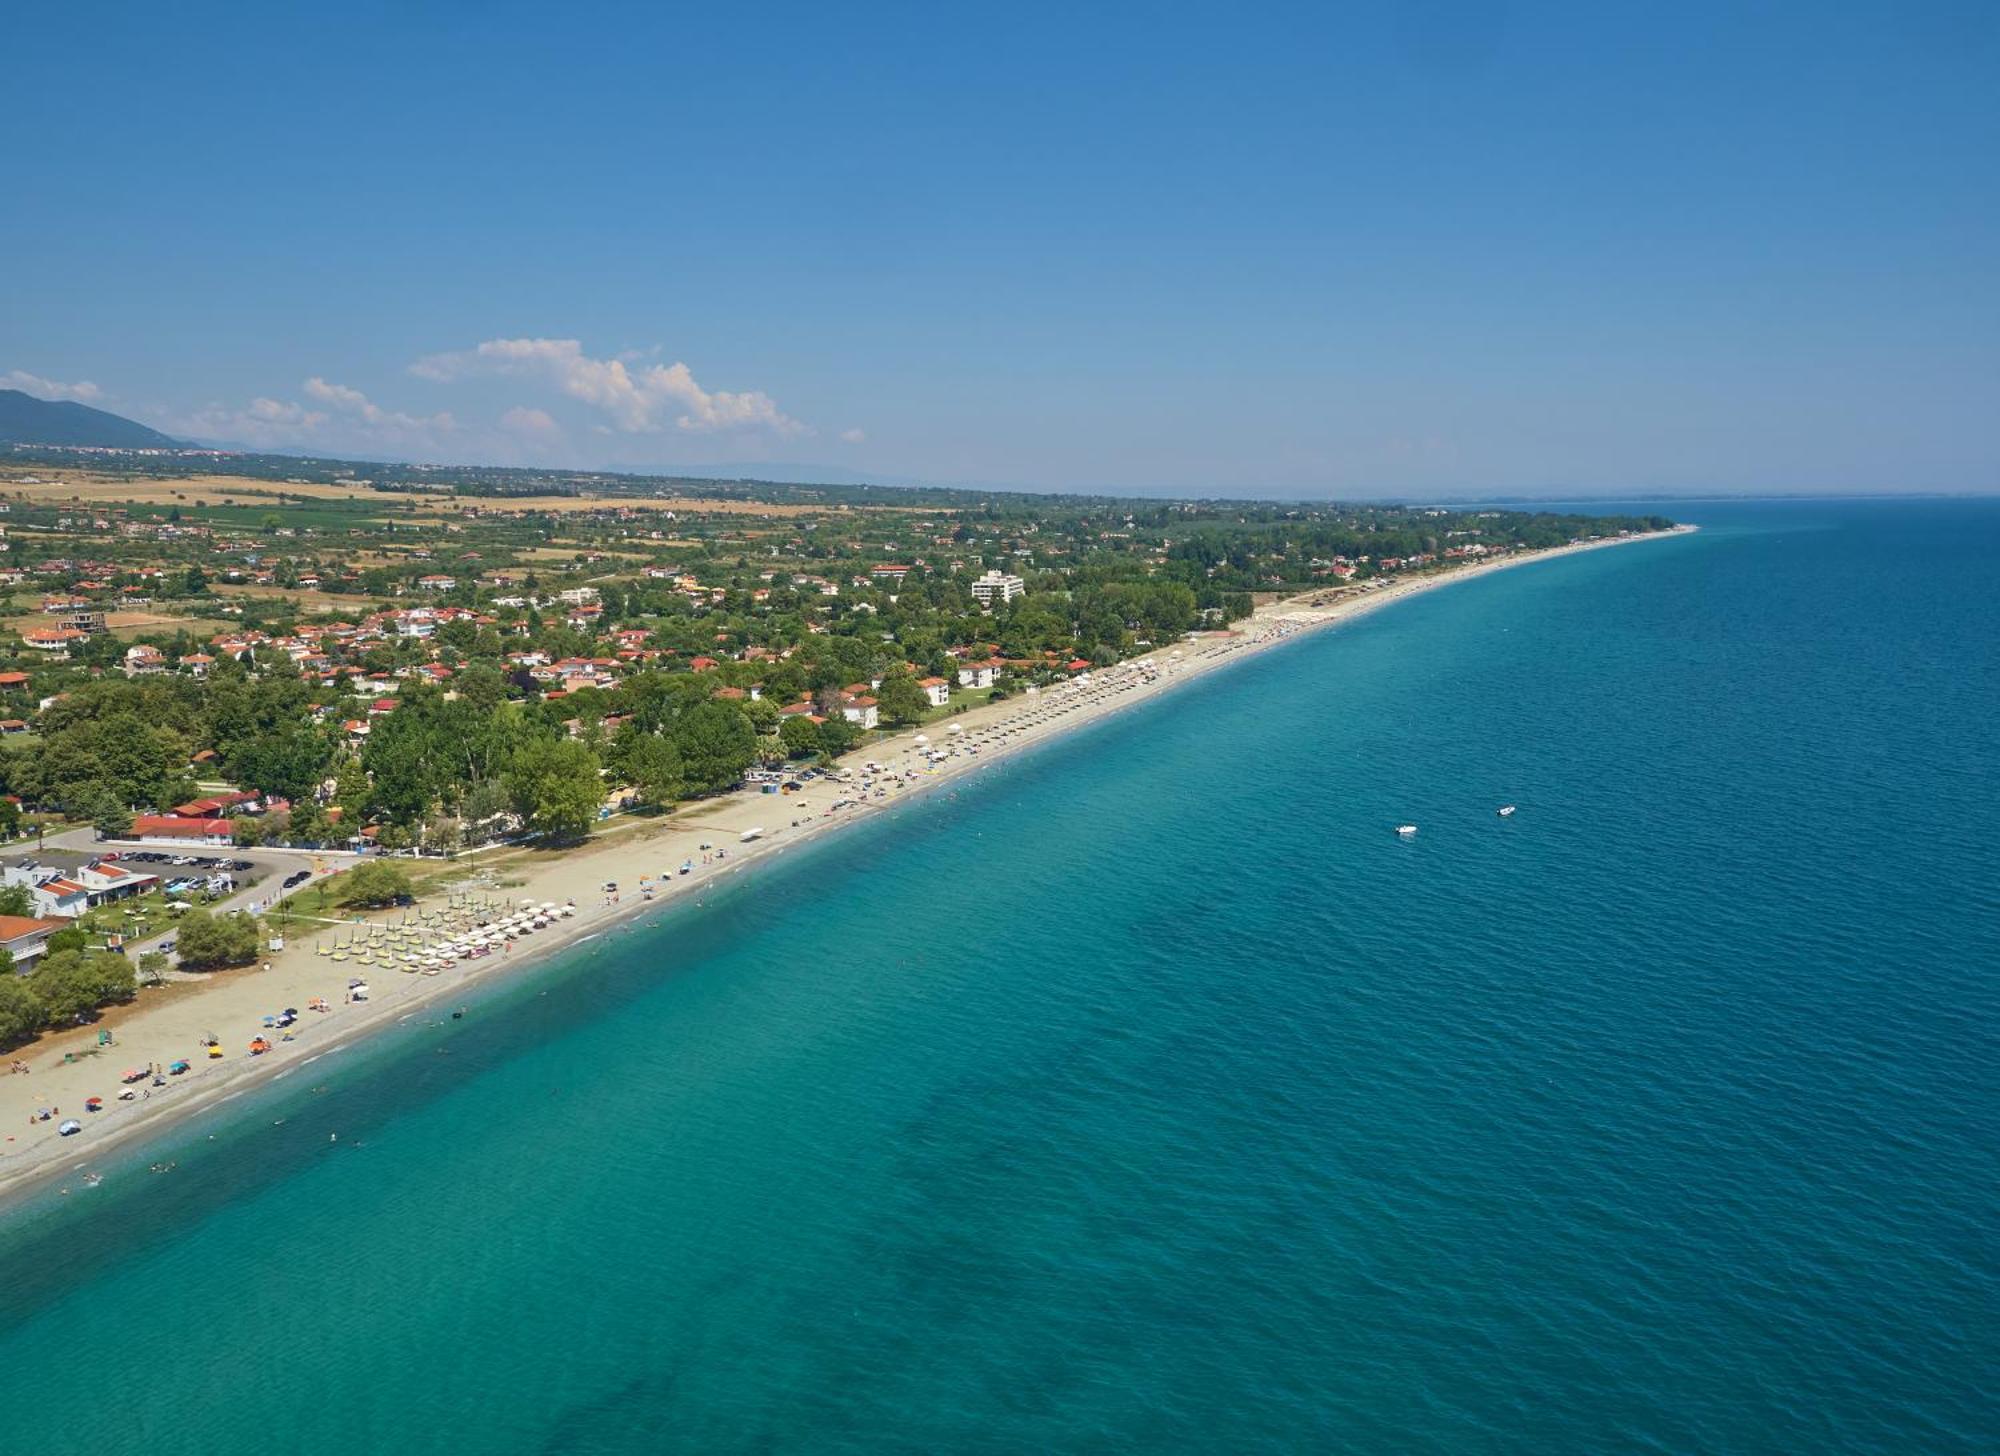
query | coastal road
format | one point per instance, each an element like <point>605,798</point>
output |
<point>273,867</point>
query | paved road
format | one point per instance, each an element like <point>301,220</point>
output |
<point>273,866</point>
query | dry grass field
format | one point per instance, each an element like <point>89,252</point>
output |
<point>49,486</point>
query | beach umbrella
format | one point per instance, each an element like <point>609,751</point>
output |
<point>94,1104</point>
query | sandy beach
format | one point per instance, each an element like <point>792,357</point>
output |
<point>172,1023</point>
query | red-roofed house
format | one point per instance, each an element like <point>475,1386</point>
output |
<point>62,899</point>
<point>26,937</point>
<point>979,674</point>
<point>107,881</point>
<point>170,829</point>
<point>216,807</point>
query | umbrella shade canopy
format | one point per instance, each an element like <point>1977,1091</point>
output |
<point>70,1127</point>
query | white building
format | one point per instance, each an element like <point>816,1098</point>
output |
<point>998,585</point>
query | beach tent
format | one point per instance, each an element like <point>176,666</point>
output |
<point>69,1127</point>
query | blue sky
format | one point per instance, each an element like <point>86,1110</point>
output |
<point>1316,250</point>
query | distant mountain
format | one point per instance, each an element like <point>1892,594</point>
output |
<point>25,420</point>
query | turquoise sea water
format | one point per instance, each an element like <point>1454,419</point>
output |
<point>1147,1094</point>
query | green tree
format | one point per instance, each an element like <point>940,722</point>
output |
<point>556,787</point>
<point>22,1013</point>
<point>800,735</point>
<point>287,760</point>
<point>375,882</point>
<point>838,734</point>
<point>350,792</point>
<point>16,900</point>
<point>652,765</point>
<point>308,823</point>
<point>72,983</point>
<point>716,743</point>
<point>211,942</point>
<point>111,819</point>
<point>901,699</point>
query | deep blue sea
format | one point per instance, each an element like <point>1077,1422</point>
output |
<point>1147,1094</point>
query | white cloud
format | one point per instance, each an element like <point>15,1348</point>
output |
<point>350,420</point>
<point>639,400</point>
<point>524,420</point>
<point>854,436</point>
<point>21,379</point>
<point>354,402</point>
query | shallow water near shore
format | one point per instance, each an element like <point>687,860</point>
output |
<point>1147,1093</point>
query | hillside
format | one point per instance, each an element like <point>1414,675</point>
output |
<point>26,420</point>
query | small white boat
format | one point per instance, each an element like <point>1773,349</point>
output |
<point>1505,810</point>
<point>1406,830</point>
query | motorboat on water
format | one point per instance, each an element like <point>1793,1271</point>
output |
<point>1406,830</point>
<point>1506,810</point>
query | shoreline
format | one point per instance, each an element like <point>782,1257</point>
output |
<point>167,1027</point>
